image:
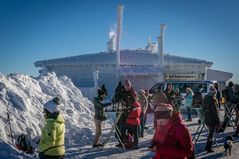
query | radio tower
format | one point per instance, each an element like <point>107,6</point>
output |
<point>161,45</point>
<point>119,30</point>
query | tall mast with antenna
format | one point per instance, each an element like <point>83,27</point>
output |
<point>119,30</point>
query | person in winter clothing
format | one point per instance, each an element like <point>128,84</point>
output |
<point>197,97</point>
<point>177,100</point>
<point>172,139</point>
<point>158,98</point>
<point>149,108</point>
<point>229,96</point>
<point>142,99</point>
<point>170,94</point>
<point>227,105</point>
<point>51,145</point>
<point>129,90</point>
<point>188,102</point>
<point>218,95</point>
<point>104,89</point>
<point>133,120</point>
<point>99,115</point>
<point>119,91</point>
<point>210,107</point>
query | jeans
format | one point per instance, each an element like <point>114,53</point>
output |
<point>142,124</point>
<point>189,113</point>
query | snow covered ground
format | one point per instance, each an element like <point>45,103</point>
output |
<point>22,97</point>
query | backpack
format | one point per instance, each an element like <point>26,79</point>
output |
<point>197,99</point>
<point>23,143</point>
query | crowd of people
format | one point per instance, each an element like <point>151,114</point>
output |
<point>171,139</point>
<point>168,123</point>
<point>170,133</point>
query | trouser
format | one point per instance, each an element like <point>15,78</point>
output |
<point>142,124</point>
<point>145,119</point>
<point>98,131</point>
<point>121,126</point>
<point>133,130</point>
<point>189,113</point>
<point>210,137</point>
<point>50,157</point>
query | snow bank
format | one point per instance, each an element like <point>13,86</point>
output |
<point>8,151</point>
<point>22,97</point>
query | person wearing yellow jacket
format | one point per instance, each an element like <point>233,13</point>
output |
<point>51,145</point>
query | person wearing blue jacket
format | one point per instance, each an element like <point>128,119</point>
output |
<point>188,102</point>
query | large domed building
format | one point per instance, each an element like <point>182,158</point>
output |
<point>143,67</point>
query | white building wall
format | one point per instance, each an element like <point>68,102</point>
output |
<point>82,76</point>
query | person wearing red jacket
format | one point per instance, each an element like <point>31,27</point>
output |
<point>133,120</point>
<point>172,139</point>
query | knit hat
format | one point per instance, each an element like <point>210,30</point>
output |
<point>163,111</point>
<point>100,92</point>
<point>52,106</point>
<point>212,89</point>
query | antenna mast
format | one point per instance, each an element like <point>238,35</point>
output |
<point>119,30</point>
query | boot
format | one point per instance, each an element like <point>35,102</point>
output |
<point>209,146</point>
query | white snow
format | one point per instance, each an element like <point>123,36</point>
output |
<point>23,97</point>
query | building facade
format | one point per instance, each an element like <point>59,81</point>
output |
<point>139,66</point>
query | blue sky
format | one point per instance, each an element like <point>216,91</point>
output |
<point>32,30</point>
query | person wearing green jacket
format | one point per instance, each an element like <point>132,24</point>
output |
<point>99,115</point>
<point>51,145</point>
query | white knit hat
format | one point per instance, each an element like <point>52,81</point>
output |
<point>51,106</point>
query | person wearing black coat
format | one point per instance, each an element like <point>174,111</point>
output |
<point>210,107</point>
<point>104,89</point>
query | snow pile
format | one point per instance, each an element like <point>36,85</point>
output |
<point>22,97</point>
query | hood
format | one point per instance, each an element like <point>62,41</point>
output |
<point>176,119</point>
<point>56,118</point>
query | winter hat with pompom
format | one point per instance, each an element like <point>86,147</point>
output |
<point>52,106</point>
